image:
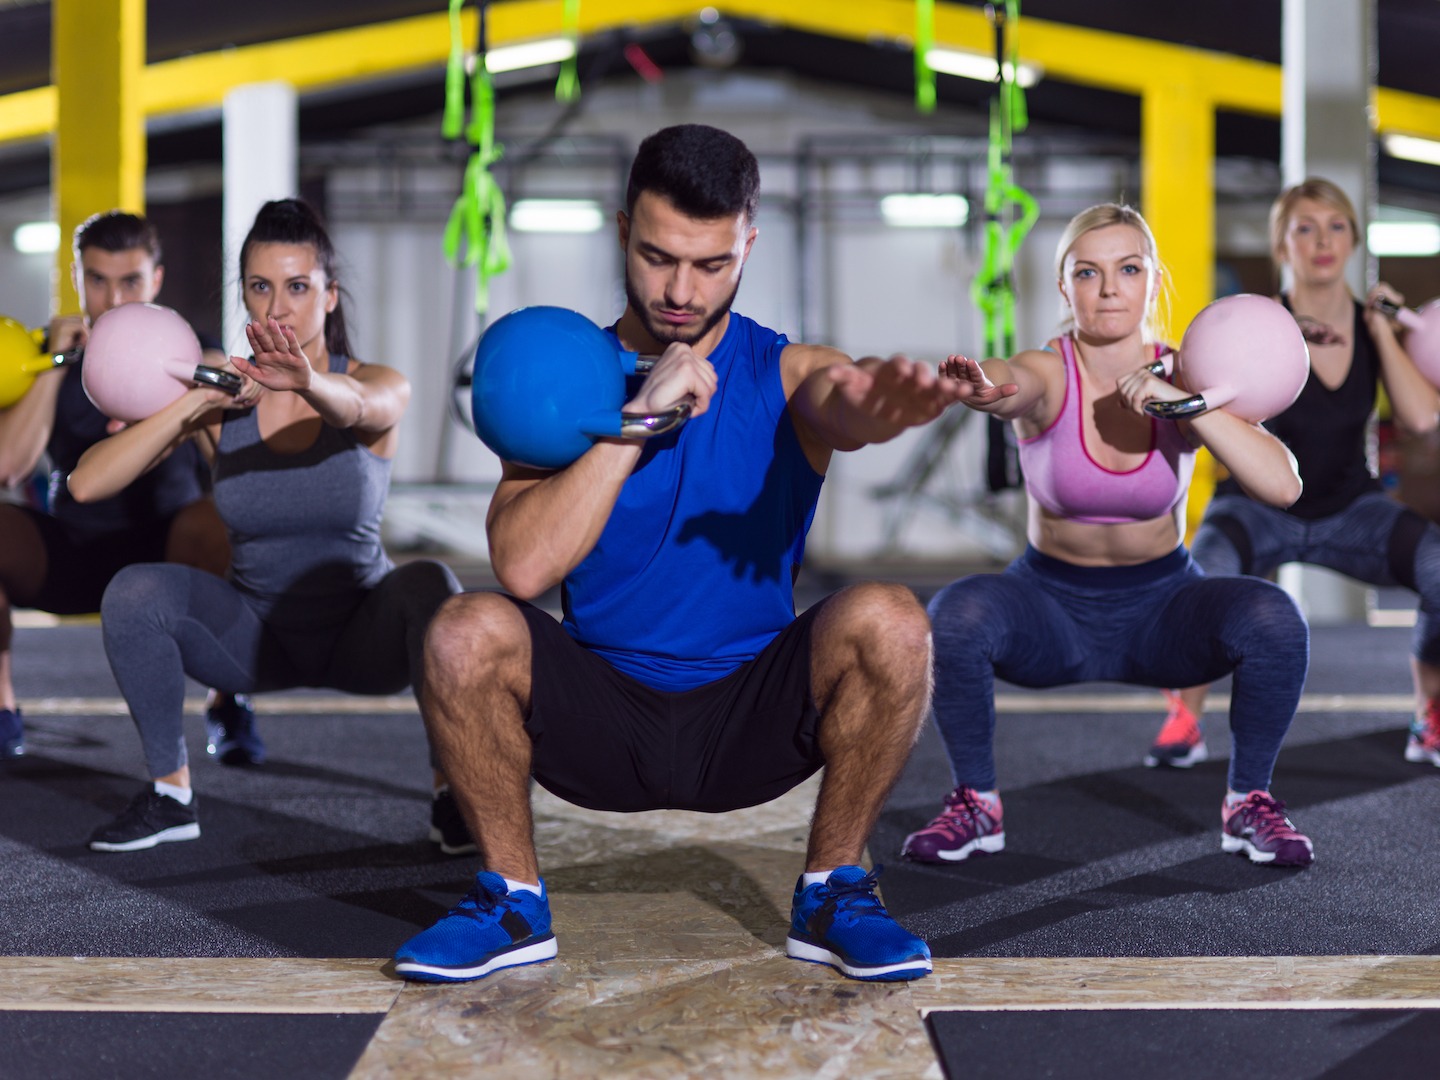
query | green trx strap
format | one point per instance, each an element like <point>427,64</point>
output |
<point>994,287</point>
<point>567,87</point>
<point>924,39</point>
<point>478,218</point>
<point>993,290</point>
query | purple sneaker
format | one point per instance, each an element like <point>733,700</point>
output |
<point>1260,829</point>
<point>968,824</point>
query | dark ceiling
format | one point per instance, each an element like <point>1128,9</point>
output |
<point>1408,40</point>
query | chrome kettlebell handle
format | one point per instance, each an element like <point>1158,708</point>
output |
<point>1173,410</point>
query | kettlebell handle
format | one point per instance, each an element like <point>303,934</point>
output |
<point>1194,405</point>
<point>222,380</point>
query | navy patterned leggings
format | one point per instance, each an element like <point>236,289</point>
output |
<point>1044,622</point>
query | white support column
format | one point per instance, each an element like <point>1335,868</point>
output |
<point>262,150</point>
<point>1329,70</point>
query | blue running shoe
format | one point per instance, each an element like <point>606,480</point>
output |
<point>12,733</point>
<point>230,732</point>
<point>491,928</point>
<point>840,921</point>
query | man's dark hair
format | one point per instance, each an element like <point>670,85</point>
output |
<point>705,172</point>
<point>115,230</point>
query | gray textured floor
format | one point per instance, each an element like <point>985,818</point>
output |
<point>323,853</point>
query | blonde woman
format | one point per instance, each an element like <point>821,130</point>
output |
<point>1105,590</point>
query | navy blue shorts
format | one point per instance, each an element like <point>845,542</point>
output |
<point>605,741</point>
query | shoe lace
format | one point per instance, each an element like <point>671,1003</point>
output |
<point>480,902</point>
<point>1181,725</point>
<point>857,898</point>
<point>1266,814</point>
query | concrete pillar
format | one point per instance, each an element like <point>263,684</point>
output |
<point>1329,72</point>
<point>262,149</point>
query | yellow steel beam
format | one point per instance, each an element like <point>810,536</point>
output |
<point>1177,191</point>
<point>99,162</point>
<point>1069,53</point>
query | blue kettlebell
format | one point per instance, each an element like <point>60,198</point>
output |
<point>548,382</point>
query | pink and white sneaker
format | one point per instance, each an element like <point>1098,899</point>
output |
<point>1259,828</point>
<point>969,823</point>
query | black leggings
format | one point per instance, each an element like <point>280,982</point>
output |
<point>162,622</point>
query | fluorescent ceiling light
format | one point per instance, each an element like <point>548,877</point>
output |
<point>37,238</point>
<point>557,216</point>
<point>529,54</point>
<point>1412,148</point>
<point>970,65</point>
<point>1404,237</point>
<point>924,211</point>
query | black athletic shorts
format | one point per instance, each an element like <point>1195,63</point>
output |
<point>82,561</point>
<point>605,741</point>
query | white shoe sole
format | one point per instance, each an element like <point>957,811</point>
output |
<point>985,845</point>
<point>1197,754</point>
<point>803,950</point>
<point>164,836</point>
<point>1415,752</point>
<point>529,954</point>
<point>438,837</point>
<point>1237,844</point>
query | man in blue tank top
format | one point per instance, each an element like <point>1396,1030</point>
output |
<point>61,558</point>
<point>681,676</point>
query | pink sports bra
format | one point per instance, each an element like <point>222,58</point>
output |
<point>1063,478</point>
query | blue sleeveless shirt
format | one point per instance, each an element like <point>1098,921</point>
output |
<point>693,574</point>
<point>305,527</point>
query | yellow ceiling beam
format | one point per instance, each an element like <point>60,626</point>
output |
<point>1068,53</point>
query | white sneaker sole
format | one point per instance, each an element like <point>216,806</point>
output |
<point>1415,752</point>
<point>1237,844</point>
<point>164,836</point>
<point>985,845</point>
<point>803,950</point>
<point>529,954</point>
<point>1197,754</point>
<point>438,837</point>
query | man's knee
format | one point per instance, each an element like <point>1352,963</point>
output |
<point>880,625</point>
<point>472,634</point>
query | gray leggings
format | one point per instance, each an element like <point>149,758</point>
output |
<point>161,622</point>
<point>1375,539</point>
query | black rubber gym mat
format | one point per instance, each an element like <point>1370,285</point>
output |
<point>224,1046</point>
<point>1188,1044</point>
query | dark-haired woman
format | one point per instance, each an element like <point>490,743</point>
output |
<point>300,460</point>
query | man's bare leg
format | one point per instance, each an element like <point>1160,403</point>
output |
<point>474,696</point>
<point>870,673</point>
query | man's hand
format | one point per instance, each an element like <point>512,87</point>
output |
<point>678,373</point>
<point>896,393</point>
<point>974,387</point>
<point>66,332</point>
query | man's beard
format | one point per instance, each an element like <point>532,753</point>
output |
<point>664,332</point>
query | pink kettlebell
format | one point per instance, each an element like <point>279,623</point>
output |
<point>1247,353</point>
<point>1422,335</point>
<point>141,357</point>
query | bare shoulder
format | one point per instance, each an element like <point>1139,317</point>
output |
<point>376,374</point>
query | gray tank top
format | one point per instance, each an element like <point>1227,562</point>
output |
<point>304,528</point>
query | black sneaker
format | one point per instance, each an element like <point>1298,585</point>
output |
<point>150,819</point>
<point>12,733</point>
<point>447,827</point>
<point>230,735</point>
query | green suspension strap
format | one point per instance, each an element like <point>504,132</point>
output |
<point>478,217</point>
<point>924,39</point>
<point>567,87</point>
<point>993,290</point>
